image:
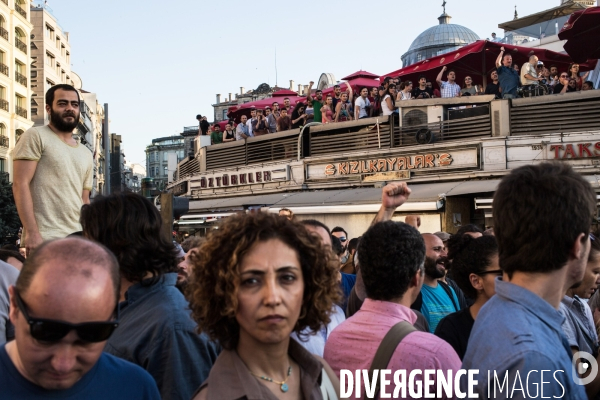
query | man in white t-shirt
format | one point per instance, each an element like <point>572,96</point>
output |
<point>362,104</point>
<point>53,172</point>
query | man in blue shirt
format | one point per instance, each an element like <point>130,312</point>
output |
<point>156,329</point>
<point>542,216</point>
<point>507,76</point>
<point>63,307</point>
<point>437,298</point>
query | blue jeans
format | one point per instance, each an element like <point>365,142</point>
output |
<point>508,96</point>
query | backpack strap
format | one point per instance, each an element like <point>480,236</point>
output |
<point>448,291</point>
<point>386,350</point>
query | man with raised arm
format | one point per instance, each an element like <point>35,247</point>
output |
<point>507,75</point>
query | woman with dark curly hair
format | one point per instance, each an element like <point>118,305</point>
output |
<point>474,268</point>
<point>257,279</point>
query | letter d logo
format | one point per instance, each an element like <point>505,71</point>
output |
<point>587,363</point>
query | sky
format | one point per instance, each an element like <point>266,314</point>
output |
<point>160,63</point>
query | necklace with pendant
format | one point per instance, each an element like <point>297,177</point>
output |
<point>282,385</point>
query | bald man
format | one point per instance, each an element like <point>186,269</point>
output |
<point>63,307</point>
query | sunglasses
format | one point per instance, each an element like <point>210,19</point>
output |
<point>342,239</point>
<point>49,330</point>
<point>493,271</point>
<point>564,76</point>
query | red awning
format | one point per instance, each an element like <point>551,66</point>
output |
<point>478,60</point>
<point>360,74</point>
<point>355,84</point>
<point>582,31</point>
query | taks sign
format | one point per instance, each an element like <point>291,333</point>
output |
<point>566,151</point>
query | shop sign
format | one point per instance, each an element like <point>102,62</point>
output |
<point>242,177</point>
<point>573,151</point>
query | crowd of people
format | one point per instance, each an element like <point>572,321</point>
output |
<point>273,307</point>
<point>507,81</point>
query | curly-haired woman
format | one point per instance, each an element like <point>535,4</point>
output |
<point>474,268</point>
<point>257,279</point>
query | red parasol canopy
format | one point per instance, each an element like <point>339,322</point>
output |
<point>581,32</point>
<point>284,92</point>
<point>478,60</point>
<point>355,84</point>
<point>235,112</point>
<point>360,74</point>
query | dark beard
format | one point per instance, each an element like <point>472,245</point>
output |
<point>431,269</point>
<point>60,124</point>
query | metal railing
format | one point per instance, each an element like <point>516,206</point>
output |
<point>20,10</point>
<point>4,141</point>
<point>3,33</point>
<point>190,129</point>
<point>22,79</point>
<point>4,69</point>
<point>3,104</point>
<point>22,112</point>
<point>21,45</point>
<point>568,112</point>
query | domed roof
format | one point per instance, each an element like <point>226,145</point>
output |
<point>443,35</point>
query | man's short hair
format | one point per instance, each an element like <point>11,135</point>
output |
<point>192,242</point>
<point>391,253</point>
<point>422,77</point>
<point>84,252</point>
<point>589,83</point>
<point>318,91</point>
<point>286,98</point>
<point>449,71</point>
<point>353,244</point>
<point>316,224</point>
<point>539,211</point>
<point>62,86</point>
<point>198,116</point>
<point>339,229</point>
<point>131,227</point>
<point>336,86</point>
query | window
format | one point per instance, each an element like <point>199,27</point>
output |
<point>20,73</point>
<point>49,32</point>
<point>3,102</point>
<point>68,56</point>
<point>62,50</point>
<point>3,66</point>
<point>57,42</point>
<point>165,156</point>
<point>2,167</point>
<point>50,59</point>
<point>2,129</point>
<point>20,40</point>
<point>18,134</point>
<point>224,115</point>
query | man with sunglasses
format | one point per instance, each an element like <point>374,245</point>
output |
<point>64,308</point>
<point>346,258</point>
<point>563,84</point>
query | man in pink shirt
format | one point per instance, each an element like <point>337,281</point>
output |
<point>391,261</point>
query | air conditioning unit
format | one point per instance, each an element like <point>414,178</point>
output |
<point>417,121</point>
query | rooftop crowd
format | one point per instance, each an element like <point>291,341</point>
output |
<point>273,307</point>
<point>507,81</point>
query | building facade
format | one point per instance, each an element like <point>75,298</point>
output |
<point>50,60</point>
<point>15,94</point>
<point>162,157</point>
<point>134,173</point>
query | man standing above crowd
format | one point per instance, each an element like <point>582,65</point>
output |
<point>203,124</point>
<point>508,77</point>
<point>64,308</point>
<point>542,216</point>
<point>317,101</point>
<point>449,88</point>
<point>529,75</point>
<point>242,131</point>
<point>156,330</point>
<point>53,172</point>
<point>422,91</point>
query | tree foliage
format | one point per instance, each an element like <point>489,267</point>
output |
<point>9,219</point>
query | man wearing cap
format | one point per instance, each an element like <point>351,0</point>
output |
<point>63,307</point>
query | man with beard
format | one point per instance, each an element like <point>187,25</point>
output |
<point>317,101</point>
<point>437,299</point>
<point>53,172</point>
<point>347,266</point>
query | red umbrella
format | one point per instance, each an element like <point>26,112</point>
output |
<point>360,74</point>
<point>355,84</point>
<point>285,92</point>
<point>581,32</point>
<point>478,60</point>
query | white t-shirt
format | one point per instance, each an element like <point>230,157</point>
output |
<point>384,107</point>
<point>362,104</point>
<point>528,69</point>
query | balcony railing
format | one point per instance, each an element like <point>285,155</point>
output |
<point>4,141</point>
<point>3,104</point>
<point>22,79</point>
<point>21,45</point>
<point>20,10</point>
<point>21,112</point>
<point>4,69</point>
<point>3,33</point>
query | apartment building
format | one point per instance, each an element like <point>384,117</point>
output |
<point>15,58</point>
